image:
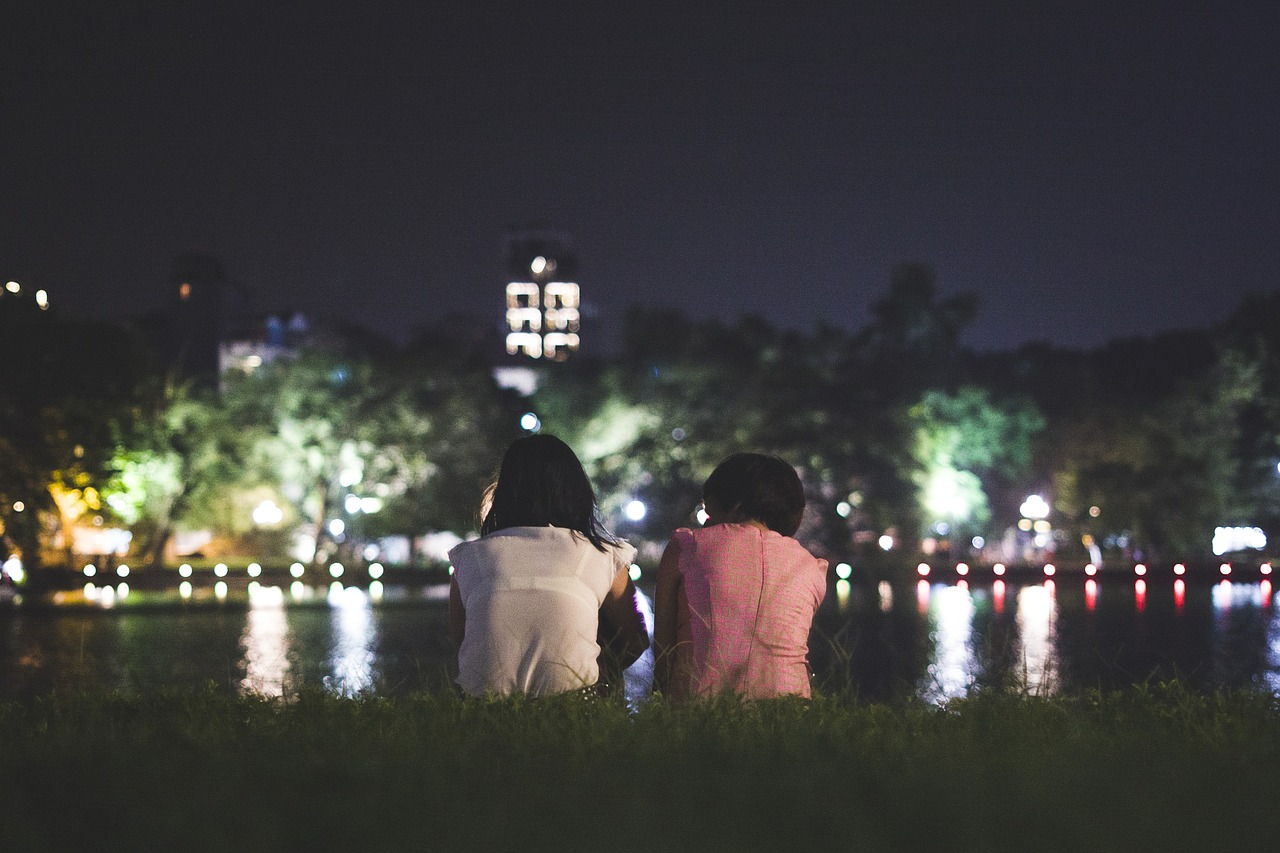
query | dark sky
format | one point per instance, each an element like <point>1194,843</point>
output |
<point>1090,171</point>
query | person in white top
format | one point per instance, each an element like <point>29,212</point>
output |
<point>534,599</point>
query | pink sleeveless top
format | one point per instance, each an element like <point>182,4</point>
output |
<point>751,595</point>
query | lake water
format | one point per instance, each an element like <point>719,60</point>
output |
<point>932,640</point>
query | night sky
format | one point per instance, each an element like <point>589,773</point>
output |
<point>1089,171</point>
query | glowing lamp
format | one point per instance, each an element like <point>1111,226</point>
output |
<point>923,570</point>
<point>1090,570</point>
<point>962,569</point>
<point>1225,569</point>
<point>998,569</point>
<point>1179,569</point>
<point>1050,570</point>
<point>1140,570</point>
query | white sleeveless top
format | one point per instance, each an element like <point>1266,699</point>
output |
<point>532,597</point>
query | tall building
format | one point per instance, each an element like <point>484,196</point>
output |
<point>543,304</point>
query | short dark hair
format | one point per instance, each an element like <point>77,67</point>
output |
<point>541,483</point>
<point>760,487</point>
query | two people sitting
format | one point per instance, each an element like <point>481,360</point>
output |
<point>545,595</point>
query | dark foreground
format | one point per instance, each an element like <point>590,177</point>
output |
<point>1154,768</point>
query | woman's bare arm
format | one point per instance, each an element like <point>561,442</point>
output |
<point>457,613</point>
<point>666,598</point>
<point>621,623</point>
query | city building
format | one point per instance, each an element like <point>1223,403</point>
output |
<point>543,301</point>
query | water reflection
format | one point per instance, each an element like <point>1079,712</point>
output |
<point>1037,618</point>
<point>354,637</point>
<point>952,672</point>
<point>265,643</point>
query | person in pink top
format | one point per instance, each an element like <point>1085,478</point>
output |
<point>735,600</point>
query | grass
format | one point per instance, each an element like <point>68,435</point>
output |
<point>1157,767</point>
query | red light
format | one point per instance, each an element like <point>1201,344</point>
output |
<point>997,595</point>
<point>1091,595</point>
<point>1179,593</point>
<point>922,596</point>
<point>923,569</point>
<point>1140,594</point>
<point>998,569</point>
<point>1265,590</point>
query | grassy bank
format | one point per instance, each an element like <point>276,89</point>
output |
<point>1155,768</point>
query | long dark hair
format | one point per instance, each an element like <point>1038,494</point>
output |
<point>540,483</point>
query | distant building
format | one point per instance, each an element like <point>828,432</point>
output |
<point>201,305</point>
<point>209,325</point>
<point>543,301</point>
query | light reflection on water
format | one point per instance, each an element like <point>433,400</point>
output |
<point>354,639</point>
<point>1037,619</point>
<point>880,640</point>
<point>952,672</point>
<point>265,643</point>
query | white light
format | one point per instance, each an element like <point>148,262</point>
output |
<point>375,570</point>
<point>701,515</point>
<point>998,570</point>
<point>297,590</point>
<point>1179,569</point>
<point>843,571</point>
<point>1226,539</point>
<point>529,422</point>
<point>1050,570</point>
<point>19,506</point>
<point>370,505</point>
<point>336,569</point>
<point>42,299</point>
<point>13,287</point>
<point>923,569</point>
<point>977,542</point>
<point>13,568</point>
<point>123,571</point>
<point>220,590</point>
<point>122,591</point>
<point>184,589</point>
<point>886,542</point>
<point>843,509</point>
<point>1265,568</point>
<point>634,572</point>
<point>337,526</point>
<point>297,570</point>
<point>1034,507</point>
<point>1090,569</point>
<point>267,513</point>
<point>351,504</point>
<point>962,569</point>
<point>220,570</point>
<point>90,570</point>
<point>1140,570</point>
<point>376,590</point>
<point>538,266</point>
<point>635,510</point>
<point>90,592</point>
<point>1225,569</point>
<point>185,570</point>
<point>254,570</point>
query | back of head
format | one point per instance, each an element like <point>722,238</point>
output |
<point>541,483</point>
<point>759,487</point>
